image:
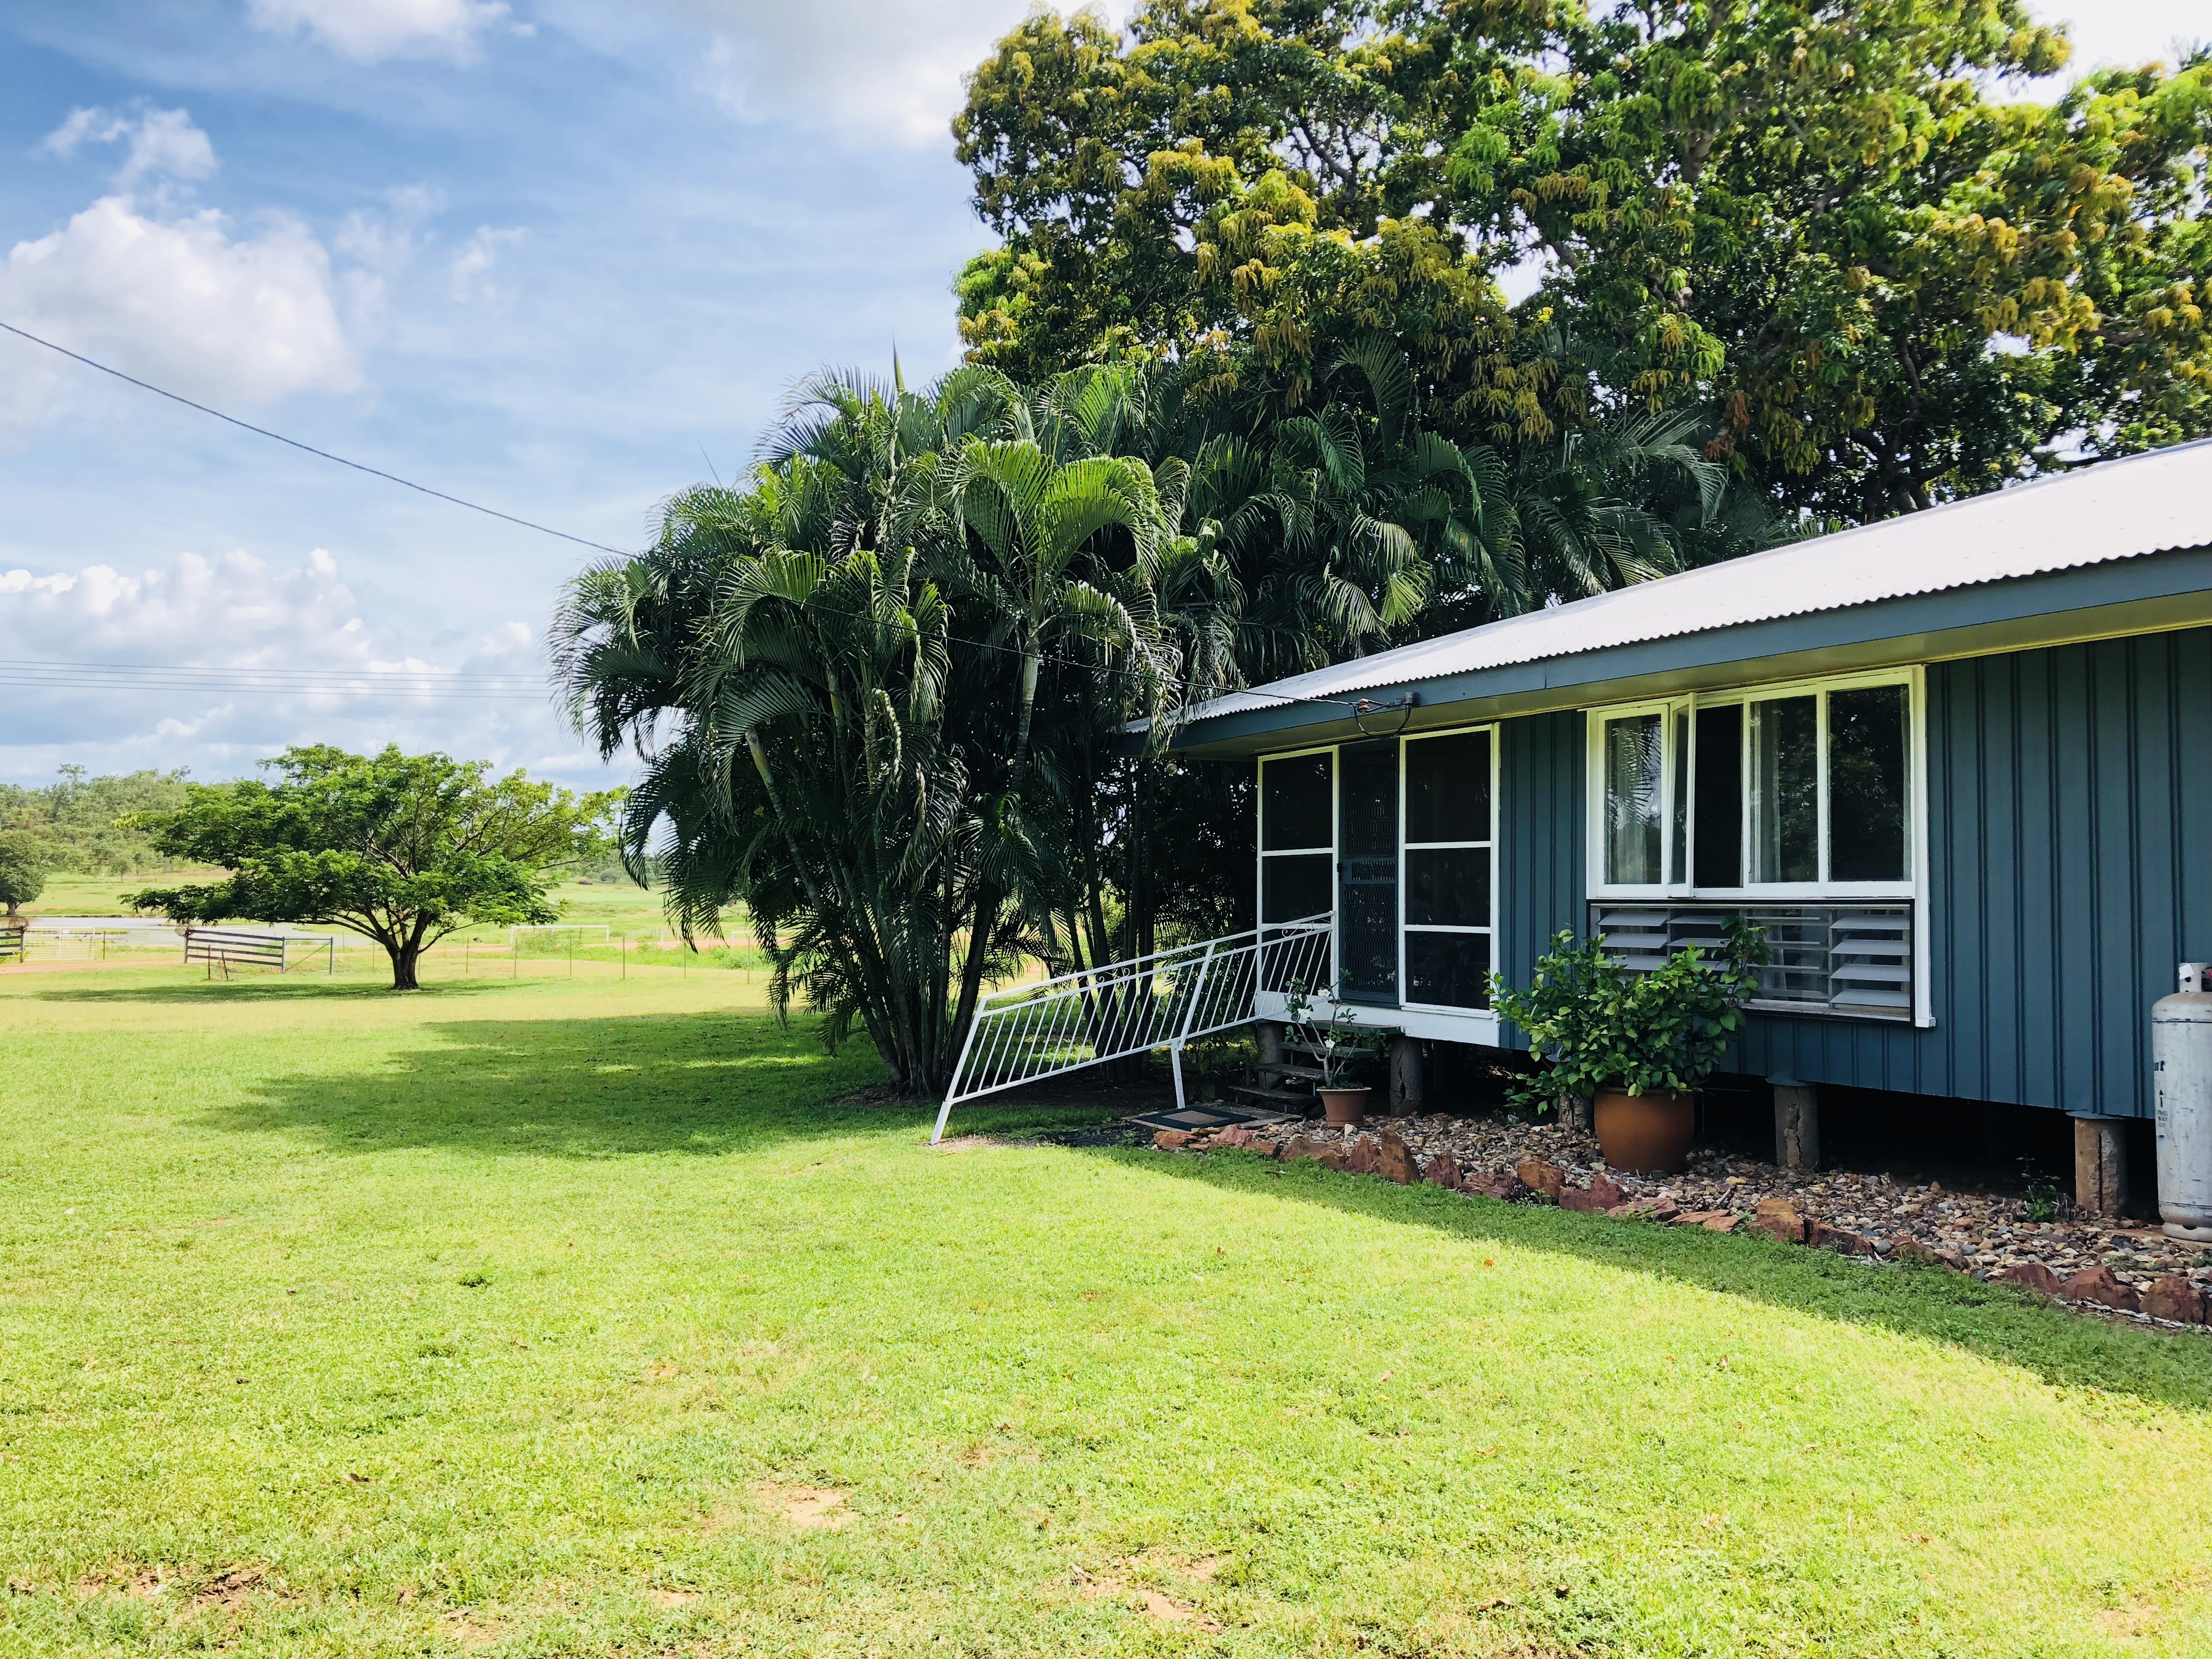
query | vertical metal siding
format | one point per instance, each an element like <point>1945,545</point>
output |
<point>1540,864</point>
<point>2069,797</point>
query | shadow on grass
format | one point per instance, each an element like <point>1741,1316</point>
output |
<point>2065,1349</point>
<point>706,1083</point>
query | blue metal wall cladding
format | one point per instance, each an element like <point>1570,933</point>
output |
<point>2070,837</point>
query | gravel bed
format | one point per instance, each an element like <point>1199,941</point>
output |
<point>1986,1235</point>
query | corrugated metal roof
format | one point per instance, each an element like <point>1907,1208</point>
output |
<point>2115,510</point>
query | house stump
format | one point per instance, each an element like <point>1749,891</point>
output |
<point>2100,1165</point>
<point>1796,1124</point>
<point>1270,1032</point>
<point>1406,1094</point>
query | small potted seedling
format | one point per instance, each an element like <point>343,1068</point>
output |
<point>1338,1045</point>
<point>1640,1044</point>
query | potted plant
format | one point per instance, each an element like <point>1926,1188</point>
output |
<point>1338,1045</point>
<point>1639,1044</point>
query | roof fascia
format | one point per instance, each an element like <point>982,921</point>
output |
<point>2151,592</point>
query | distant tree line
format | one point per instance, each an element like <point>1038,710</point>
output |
<point>78,823</point>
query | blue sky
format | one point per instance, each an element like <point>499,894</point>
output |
<point>556,256</point>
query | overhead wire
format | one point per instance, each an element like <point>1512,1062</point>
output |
<point>1357,707</point>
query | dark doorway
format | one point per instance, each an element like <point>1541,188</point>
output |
<point>1367,874</point>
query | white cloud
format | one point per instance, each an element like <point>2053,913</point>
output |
<point>384,241</point>
<point>237,321</point>
<point>472,265</point>
<point>371,30</point>
<point>890,70</point>
<point>235,612</point>
<point>161,141</point>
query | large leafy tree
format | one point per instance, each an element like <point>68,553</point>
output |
<point>860,686</point>
<point>1835,232</point>
<point>403,849</point>
<point>24,862</point>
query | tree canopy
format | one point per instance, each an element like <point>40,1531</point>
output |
<point>401,848</point>
<point>23,866</point>
<point>1877,271</point>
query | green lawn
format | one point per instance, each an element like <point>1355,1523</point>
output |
<point>575,1317</point>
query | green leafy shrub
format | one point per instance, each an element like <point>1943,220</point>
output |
<point>1597,1024</point>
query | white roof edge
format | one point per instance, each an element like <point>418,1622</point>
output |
<point>2155,502</point>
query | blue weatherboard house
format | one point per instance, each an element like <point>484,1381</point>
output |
<point>1958,766</point>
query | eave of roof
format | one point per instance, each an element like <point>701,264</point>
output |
<point>1978,550</point>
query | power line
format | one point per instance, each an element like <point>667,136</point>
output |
<point>263,431</point>
<point>527,523</point>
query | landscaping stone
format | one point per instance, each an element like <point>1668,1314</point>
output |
<point>1608,1191</point>
<point>1645,1209</point>
<point>1330,1158</point>
<point>1498,1185</point>
<point>2101,1285</point>
<point>1235,1135</point>
<point>1722,1221</point>
<point>1168,1139</point>
<point>1778,1218</point>
<point>1544,1180</point>
<point>1442,1170</point>
<point>1361,1159</point>
<point>1394,1159</point>
<point>1912,1250</point>
<point>1581,1201</point>
<point>1705,1218</point>
<point>1299,1146</point>
<point>1841,1240</point>
<point>2032,1276</point>
<point>2174,1297</point>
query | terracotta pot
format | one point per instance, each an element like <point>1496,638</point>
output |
<point>1342,1108</point>
<point>1648,1134</point>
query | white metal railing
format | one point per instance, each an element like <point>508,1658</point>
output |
<point>1028,1032</point>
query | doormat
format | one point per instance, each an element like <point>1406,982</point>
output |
<point>1208,1115</point>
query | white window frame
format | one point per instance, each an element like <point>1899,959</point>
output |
<point>1676,884</point>
<point>1913,889</point>
<point>1489,928</point>
<point>1260,835</point>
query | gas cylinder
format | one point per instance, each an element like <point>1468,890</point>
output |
<point>2181,1073</point>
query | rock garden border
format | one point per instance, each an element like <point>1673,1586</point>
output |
<point>2096,1266</point>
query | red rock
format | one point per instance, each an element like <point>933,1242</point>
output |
<point>1235,1135</point>
<point>2174,1297</point>
<point>1496,1184</point>
<point>1394,1159</point>
<point>1699,1218</point>
<point>1607,1191</point>
<point>1168,1139</point>
<point>1910,1248</point>
<point>1359,1158</point>
<point>2103,1286</point>
<point>1722,1221</point>
<point>1644,1209</point>
<point>1330,1158</point>
<point>1298,1147</point>
<point>1443,1170</point>
<point>2032,1276</point>
<point>1778,1218</point>
<point>1841,1240</point>
<point>1581,1201</point>
<point>1545,1180</point>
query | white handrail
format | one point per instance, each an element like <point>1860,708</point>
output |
<point>1164,998</point>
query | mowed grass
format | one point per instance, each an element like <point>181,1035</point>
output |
<point>579,1317</point>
